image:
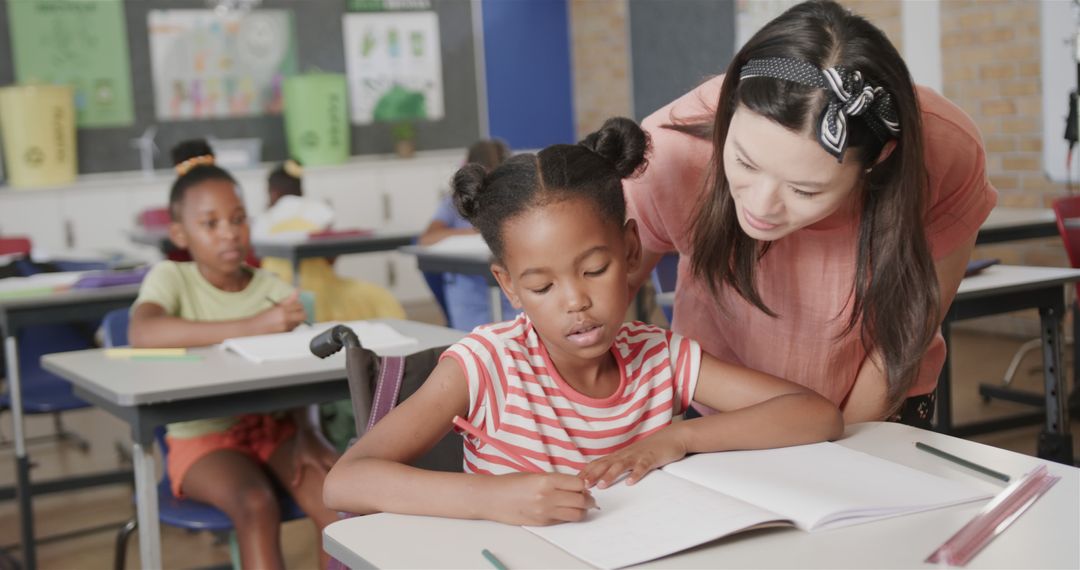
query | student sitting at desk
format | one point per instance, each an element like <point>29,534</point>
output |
<point>336,298</point>
<point>566,395</point>
<point>229,462</point>
<point>468,302</point>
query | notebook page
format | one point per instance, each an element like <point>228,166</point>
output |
<point>657,516</point>
<point>823,485</point>
<point>295,344</point>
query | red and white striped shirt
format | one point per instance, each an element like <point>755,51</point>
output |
<point>517,398</point>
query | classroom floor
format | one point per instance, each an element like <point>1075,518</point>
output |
<point>977,357</point>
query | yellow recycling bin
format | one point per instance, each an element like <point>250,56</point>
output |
<point>38,127</point>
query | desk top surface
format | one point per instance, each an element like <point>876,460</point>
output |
<point>1044,537</point>
<point>219,372</point>
<point>1005,217</point>
<point>378,240</point>
<point>998,279</point>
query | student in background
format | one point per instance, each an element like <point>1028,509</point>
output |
<point>468,298</point>
<point>231,463</point>
<point>336,298</point>
<point>570,395</point>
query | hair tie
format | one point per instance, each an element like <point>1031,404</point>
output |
<point>849,96</point>
<point>293,168</point>
<point>186,166</point>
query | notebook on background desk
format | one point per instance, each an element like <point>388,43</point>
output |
<point>295,344</point>
<point>708,496</point>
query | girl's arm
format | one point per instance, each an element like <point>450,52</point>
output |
<point>866,401</point>
<point>152,327</point>
<point>757,411</point>
<point>374,475</point>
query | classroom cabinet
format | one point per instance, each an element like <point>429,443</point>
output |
<point>97,212</point>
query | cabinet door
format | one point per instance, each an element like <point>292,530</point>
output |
<point>36,215</point>
<point>98,220</point>
<point>413,192</point>
<point>352,193</point>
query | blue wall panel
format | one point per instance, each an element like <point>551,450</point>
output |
<point>528,72</point>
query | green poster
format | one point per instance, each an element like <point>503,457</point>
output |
<point>82,43</point>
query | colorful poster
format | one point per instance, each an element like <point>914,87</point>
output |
<point>81,43</point>
<point>211,66</point>
<point>394,66</point>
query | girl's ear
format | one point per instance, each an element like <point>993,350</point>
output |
<point>886,151</point>
<point>177,235</point>
<point>633,246</point>
<point>505,283</point>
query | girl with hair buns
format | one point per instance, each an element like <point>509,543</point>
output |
<point>233,463</point>
<point>823,203</point>
<point>566,395</point>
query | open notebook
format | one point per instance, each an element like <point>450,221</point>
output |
<point>711,495</point>
<point>295,344</point>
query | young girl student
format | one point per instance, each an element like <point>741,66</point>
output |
<point>230,463</point>
<point>567,395</point>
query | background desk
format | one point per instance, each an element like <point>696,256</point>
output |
<point>430,260</point>
<point>50,308</point>
<point>296,251</point>
<point>1044,537</point>
<point>148,394</point>
<point>1002,289</point>
<point>1010,224</point>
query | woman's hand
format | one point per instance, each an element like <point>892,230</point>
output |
<point>312,451</point>
<point>538,499</point>
<point>284,316</point>
<point>663,447</point>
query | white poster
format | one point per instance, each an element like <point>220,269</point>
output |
<point>394,66</point>
<point>207,65</point>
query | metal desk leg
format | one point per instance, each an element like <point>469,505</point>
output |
<point>146,505</point>
<point>495,298</point>
<point>1055,441</point>
<point>22,462</point>
<point>295,260</point>
<point>943,413</point>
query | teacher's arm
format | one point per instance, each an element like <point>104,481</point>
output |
<point>867,399</point>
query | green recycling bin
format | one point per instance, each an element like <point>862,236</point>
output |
<point>317,118</point>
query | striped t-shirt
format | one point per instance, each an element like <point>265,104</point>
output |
<point>518,398</point>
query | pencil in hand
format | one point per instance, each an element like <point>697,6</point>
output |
<point>307,321</point>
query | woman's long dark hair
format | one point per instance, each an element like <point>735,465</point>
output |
<point>895,292</point>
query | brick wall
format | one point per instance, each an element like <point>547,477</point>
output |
<point>601,48</point>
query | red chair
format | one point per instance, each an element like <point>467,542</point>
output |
<point>14,245</point>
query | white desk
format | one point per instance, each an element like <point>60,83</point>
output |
<point>42,308</point>
<point>148,394</point>
<point>1044,537</point>
<point>1002,289</point>
<point>1010,224</point>
<point>330,246</point>
<point>432,260</point>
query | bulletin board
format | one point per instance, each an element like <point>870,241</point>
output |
<point>319,47</point>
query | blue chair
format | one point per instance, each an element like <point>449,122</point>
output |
<point>44,392</point>
<point>181,513</point>
<point>664,276</point>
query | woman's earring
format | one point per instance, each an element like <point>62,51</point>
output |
<point>868,170</point>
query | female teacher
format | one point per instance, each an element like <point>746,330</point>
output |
<point>824,209</point>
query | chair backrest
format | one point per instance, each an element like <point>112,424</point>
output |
<point>369,382</point>
<point>1067,211</point>
<point>115,327</point>
<point>15,245</point>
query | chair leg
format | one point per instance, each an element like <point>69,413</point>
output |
<point>63,435</point>
<point>119,559</point>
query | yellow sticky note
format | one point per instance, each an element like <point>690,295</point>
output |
<point>130,352</point>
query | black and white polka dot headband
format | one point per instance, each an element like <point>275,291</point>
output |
<point>850,97</point>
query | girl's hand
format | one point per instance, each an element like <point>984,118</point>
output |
<point>538,499</point>
<point>284,316</point>
<point>638,459</point>
<point>312,451</point>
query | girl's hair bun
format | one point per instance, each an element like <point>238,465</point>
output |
<point>621,142</point>
<point>467,184</point>
<point>190,149</point>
